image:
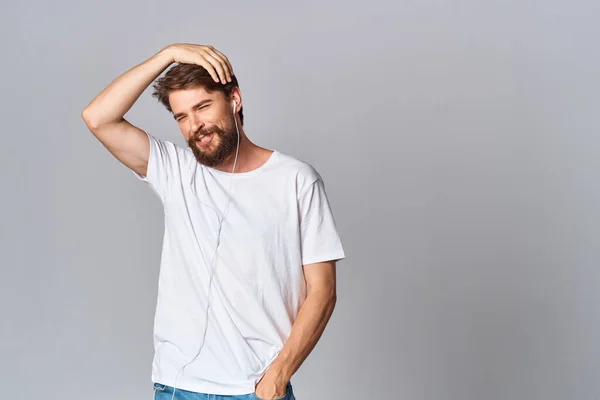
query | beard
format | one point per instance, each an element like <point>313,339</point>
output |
<point>222,144</point>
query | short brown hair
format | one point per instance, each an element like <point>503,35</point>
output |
<point>187,76</point>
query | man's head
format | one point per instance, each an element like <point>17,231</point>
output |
<point>203,108</point>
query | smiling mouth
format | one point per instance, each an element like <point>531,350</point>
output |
<point>204,140</point>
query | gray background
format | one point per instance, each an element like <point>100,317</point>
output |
<point>458,141</point>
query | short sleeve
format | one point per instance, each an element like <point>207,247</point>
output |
<point>320,240</point>
<point>162,165</point>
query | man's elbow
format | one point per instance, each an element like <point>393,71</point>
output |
<point>329,297</point>
<point>89,118</point>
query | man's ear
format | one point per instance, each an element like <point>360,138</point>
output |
<point>236,95</point>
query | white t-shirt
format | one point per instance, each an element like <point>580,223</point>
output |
<point>279,219</point>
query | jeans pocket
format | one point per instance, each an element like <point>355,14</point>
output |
<point>284,397</point>
<point>159,387</point>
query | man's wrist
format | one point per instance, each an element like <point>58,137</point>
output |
<point>166,54</point>
<point>279,371</point>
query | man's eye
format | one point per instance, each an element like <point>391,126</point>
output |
<point>180,119</point>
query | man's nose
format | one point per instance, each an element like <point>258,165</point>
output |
<point>196,124</point>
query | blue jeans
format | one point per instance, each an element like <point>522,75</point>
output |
<point>164,392</point>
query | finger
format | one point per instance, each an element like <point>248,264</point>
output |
<point>226,61</point>
<point>208,67</point>
<point>217,65</point>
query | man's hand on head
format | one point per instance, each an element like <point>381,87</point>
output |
<point>215,62</point>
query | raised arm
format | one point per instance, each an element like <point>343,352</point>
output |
<point>104,115</point>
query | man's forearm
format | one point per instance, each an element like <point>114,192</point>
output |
<point>116,99</point>
<point>306,331</point>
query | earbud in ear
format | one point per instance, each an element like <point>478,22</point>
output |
<point>234,105</point>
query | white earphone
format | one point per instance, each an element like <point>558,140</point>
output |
<point>215,253</point>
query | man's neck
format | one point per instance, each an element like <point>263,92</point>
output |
<point>250,157</point>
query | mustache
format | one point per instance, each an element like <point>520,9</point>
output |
<point>206,132</point>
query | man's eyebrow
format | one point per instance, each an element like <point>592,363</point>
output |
<point>195,106</point>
